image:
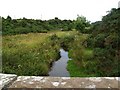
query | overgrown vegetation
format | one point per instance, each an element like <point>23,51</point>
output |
<point>31,54</point>
<point>94,48</point>
<point>105,42</point>
<point>101,52</point>
<point>24,26</point>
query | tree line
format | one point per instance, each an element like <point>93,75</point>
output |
<point>23,26</point>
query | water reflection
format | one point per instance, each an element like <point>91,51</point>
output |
<point>59,67</point>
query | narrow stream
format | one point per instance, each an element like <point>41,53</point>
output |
<point>59,66</point>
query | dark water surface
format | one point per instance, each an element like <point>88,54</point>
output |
<point>59,66</point>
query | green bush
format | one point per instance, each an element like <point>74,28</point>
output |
<point>99,40</point>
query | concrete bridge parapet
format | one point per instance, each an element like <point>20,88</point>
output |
<point>11,81</point>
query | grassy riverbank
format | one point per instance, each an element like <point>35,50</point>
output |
<point>77,71</point>
<point>32,54</point>
<point>81,57</point>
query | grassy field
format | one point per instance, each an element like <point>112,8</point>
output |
<point>32,54</point>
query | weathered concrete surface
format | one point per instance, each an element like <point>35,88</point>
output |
<point>65,82</point>
<point>11,81</point>
<point>6,79</point>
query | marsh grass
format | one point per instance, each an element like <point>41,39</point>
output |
<point>31,54</point>
<point>81,64</point>
<point>77,71</point>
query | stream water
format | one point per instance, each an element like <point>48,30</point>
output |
<point>59,66</point>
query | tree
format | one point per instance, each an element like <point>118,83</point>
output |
<point>56,18</point>
<point>9,18</point>
<point>81,23</point>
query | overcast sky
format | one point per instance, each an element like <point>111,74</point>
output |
<point>93,10</point>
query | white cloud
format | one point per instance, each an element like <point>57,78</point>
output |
<point>63,9</point>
